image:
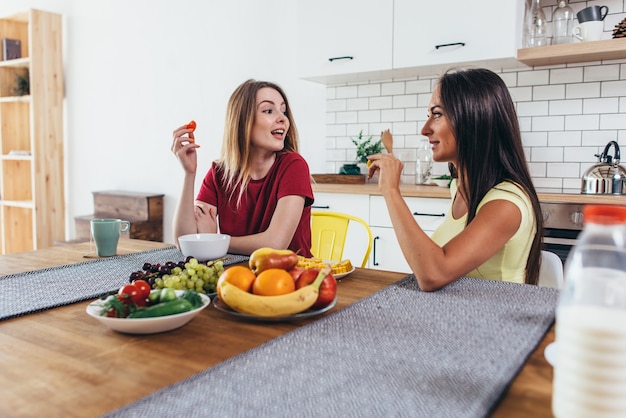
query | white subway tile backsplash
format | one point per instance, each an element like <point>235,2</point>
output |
<point>567,113</point>
<point>534,139</point>
<point>548,155</point>
<point>564,139</point>
<point>338,105</point>
<point>597,138</point>
<point>608,105</point>
<point>613,121</point>
<point>393,115</point>
<point>383,102</point>
<point>532,108</point>
<point>582,90</point>
<point>357,103</point>
<point>551,92</point>
<point>367,116</point>
<point>548,123</point>
<point>601,72</point>
<point>579,154</point>
<point>563,170</point>
<point>566,75</point>
<point>405,100</point>
<point>418,86</point>
<point>393,88</point>
<point>345,92</point>
<point>533,78</point>
<point>566,107</point>
<point>521,94</point>
<point>346,117</point>
<point>613,88</point>
<point>369,90</point>
<point>582,122</point>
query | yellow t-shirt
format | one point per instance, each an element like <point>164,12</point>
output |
<point>509,263</point>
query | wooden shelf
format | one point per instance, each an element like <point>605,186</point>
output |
<point>609,49</point>
<point>27,204</point>
<point>16,63</point>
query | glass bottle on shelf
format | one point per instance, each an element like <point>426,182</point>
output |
<point>535,26</point>
<point>424,164</point>
<point>562,23</point>
<point>590,362</point>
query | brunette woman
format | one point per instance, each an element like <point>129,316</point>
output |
<point>493,229</point>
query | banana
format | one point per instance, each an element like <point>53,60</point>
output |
<point>271,306</point>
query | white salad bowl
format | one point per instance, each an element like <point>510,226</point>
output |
<point>146,325</point>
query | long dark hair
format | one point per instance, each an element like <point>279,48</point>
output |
<point>489,144</point>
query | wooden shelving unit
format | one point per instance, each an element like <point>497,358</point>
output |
<point>609,49</point>
<point>32,198</point>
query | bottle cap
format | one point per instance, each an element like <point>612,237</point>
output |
<point>604,214</point>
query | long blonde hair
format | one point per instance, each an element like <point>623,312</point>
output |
<point>240,113</point>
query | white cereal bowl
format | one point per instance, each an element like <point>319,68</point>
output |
<point>204,247</point>
<point>146,325</point>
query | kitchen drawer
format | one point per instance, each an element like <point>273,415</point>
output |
<point>428,212</point>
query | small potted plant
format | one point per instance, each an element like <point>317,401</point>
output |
<point>365,147</point>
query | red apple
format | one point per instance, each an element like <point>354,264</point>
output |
<point>328,288</point>
<point>296,272</point>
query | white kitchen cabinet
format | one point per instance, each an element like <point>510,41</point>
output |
<point>386,254</point>
<point>343,37</point>
<point>353,204</point>
<point>455,31</point>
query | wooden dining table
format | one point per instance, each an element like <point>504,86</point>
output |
<point>62,362</point>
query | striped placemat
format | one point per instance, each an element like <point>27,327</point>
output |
<point>398,353</point>
<point>38,290</point>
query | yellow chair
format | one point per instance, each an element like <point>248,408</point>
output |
<point>329,231</point>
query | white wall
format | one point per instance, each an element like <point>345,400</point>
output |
<point>137,69</point>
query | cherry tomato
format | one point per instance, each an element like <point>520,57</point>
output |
<point>129,294</point>
<point>192,125</point>
<point>143,287</point>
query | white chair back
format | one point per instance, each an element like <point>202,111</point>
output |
<point>551,272</point>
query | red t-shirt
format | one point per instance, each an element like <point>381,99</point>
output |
<point>288,176</point>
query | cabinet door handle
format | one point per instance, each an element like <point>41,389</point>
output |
<point>347,57</point>
<point>429,214</point>
<point>452,44</point>
<point>374,255</point>
<point>320,207</point>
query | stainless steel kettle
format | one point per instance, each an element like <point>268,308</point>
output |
<point>607,176</point>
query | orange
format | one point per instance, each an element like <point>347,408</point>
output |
<point>273,282</point>
<point>239,276</point>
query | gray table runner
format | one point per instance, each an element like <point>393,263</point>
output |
<point>398,353</point>
<point>38,290</point>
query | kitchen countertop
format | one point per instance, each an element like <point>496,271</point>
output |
<point>409,190</point>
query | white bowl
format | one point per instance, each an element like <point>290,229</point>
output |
<point>204,247</point>
<point>441,182</point>
<point>146,325</point>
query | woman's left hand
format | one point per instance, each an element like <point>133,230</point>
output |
<point>206,220</point>
<point>389,170</point>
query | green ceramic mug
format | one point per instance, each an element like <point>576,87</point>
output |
<point>106,233</point>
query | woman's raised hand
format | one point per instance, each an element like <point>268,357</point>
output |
<point>184,147</point>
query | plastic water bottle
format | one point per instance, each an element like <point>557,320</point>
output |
<point>590,366</point>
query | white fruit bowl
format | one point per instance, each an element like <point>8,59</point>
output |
<point>146,325</point>
<point>204,247</point>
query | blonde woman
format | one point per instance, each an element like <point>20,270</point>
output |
<point>259,190</point>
